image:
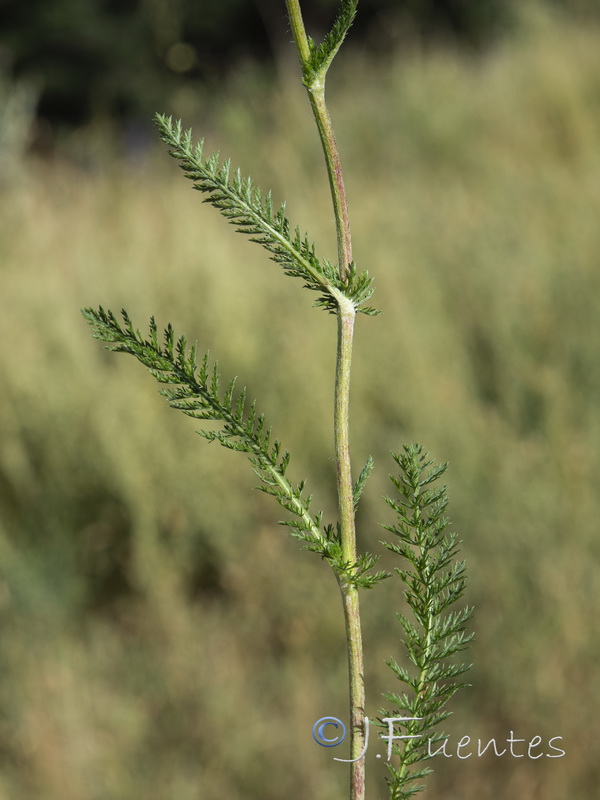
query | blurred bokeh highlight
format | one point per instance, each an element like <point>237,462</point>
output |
<point>161,636</point>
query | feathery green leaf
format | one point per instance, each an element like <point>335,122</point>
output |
<point>243,205</point>
<point>433,581</point>
<point>322,55</point>
<point>361,480</point>
<point>196,391</point>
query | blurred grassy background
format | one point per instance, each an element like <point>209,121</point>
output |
<point>161,637</point>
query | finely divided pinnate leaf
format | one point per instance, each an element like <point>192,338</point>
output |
<point>196,390</point>
<point>322,55</point>
<point>361,481</point>
<point>243,205</point>
<point>361,575</point>
<point>434,580</point>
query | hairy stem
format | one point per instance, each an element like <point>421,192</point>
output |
<point>357,690</point>
<point>298,30</point>
<point>315,85</point>
<point>346,317</point>
<point>316,93</point>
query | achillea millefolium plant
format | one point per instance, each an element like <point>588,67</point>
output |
<point>432,577</point>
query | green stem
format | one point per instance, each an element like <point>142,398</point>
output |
<point>350,599</point>
<point>316,93</point>
<point>315,85</point>
<point>346,316</point>
<point>357,690</point>
<point>298,30</point>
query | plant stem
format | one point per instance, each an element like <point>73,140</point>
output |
<point>316,94</point>
<point>348,538</point>
<point>315,84</point>
<point>298,30</point>
<point>357,691</point>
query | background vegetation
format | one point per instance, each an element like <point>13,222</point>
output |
<point>161,637</point>
<point>122,59</point>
